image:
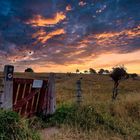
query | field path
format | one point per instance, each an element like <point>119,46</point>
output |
<point>48,133</point>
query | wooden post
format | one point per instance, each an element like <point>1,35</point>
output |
<point>51,94</point>
<point>1,91</point>
<point>7,96</point>
<point>78,91</point>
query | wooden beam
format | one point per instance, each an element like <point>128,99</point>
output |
<point>7,96</point>
<point>51,94</point>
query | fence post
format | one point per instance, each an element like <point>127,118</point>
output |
<point>1,91</point>
<point>51,94</point>
<point>78,91</point>
<point>7,96</point>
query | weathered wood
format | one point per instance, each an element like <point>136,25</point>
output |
<point>1,91</point>
<point>78,92</point>
<point>27,96</point>
<point>51,94</point>
<point>7,96</point>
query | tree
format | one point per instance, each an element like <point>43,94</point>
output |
<point>117,74</point>
<point>69,74</point>
<point>85,71</point>
<point>133,76</point>
<point>106,71</point>
<point>77,70</point>
<point>92,71</point>
<point>29,70</point>
<point>101,71</point>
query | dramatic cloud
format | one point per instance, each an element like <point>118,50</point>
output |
<point>42,36</point>
<point>58,35</point>
<point>38,20</point>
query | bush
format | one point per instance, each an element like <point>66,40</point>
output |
<point>134,76</point>
<point>29,70</point>
<point>101,71</point>
<point>85,118</point>
<point>92,71</point>
<point>12,127</point>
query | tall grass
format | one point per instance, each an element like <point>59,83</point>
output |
<point>98,115</point>
<point>98,118</point>
<point>86,119</point>
<point>12,127</point>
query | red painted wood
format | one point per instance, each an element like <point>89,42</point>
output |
<point>33,101</point>
<point>43,92</point>
<point>14,92</point>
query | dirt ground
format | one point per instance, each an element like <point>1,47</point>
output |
<point>48,133</point>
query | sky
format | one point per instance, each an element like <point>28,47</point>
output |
<point>63,35</point>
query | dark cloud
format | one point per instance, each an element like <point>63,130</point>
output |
<point>60,36</point>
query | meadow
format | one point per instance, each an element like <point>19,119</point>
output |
<point>97,117</point>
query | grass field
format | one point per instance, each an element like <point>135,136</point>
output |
<point>123,114</point>
<point>98,117</point>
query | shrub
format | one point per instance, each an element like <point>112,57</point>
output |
<point>101,71</point>
<point>92,71</point>
<point>134,76</point>
<point>29,70</point>
<point>12,127</point>
<point>85,118</point>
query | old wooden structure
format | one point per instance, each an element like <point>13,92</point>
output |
<point>28,97</point>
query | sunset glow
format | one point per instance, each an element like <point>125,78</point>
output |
<point>38,20</point>
<point>56,36</point>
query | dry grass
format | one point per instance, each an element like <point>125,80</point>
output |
<point>69,133</point>
<point>97,92</point>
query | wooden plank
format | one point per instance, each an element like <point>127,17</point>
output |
<point>16,95</point>
<point>7,97</point>
<point>51,94</point>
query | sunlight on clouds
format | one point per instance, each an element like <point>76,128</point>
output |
<point>129,33</point>
<point>108,60</point>
<point>42,36</point>
<point>38,20</point>
<point>105,60</point>
<point>113,38</point>
<point>68,8</point>
<point>21,56</point>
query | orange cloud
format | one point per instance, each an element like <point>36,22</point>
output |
<point>38,20</point>
<point>68,8</point>
<point>112,39</point>
<point>109,38</point>
<point>25,54</point>
<point>42,36</point>
<point>130,60</point>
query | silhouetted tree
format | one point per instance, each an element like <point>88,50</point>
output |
<point>101,71</point>
<point>133,76</point>
<point>117,74</point>
<point>85,71</point>
<point>29,70</point>
<point>77,70</point>
<point>69,74</point>
<point>92,71</point>
<point>106,71</point>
